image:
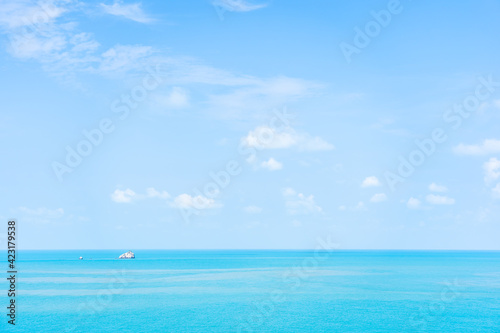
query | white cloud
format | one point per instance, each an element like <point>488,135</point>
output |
<point>413,203</point>
<point>252,209</point>
<point>123,57</point>
<point>125,196</point>
<point>439,200</point>
<point>437,188</point>
<point>237,5</point>
<point>288,191</point>
<point>299,204</point>
<point>43,212</point>
<point>266,137</point>
<point>44,32</point>
<point>197,202</point>
<point>387,125</point>
<point>491,170</point>
<point>272,164</point>
<point>489,146</point>
<point>64,51</point>
<point>128,195</point>
<point>41,215</point>
<point>496,191</point>
<point>253,96</point>
<point>19,13</point>
<point>151,192</point>
<point>31,28</point>
<point>370,181</point>
<point>176,98</point>
<point>30,46</point>
<point>379,197</point>
<point>132,11</point>
<point>360,206</point>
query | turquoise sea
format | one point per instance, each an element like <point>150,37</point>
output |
<point>256,291</point>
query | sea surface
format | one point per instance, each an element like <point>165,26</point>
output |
<point>255,291</point>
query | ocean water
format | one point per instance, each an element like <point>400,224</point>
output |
<point>256,291</point>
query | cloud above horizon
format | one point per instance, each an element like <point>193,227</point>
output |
<point>379,197</point>
<point>252,209</point>
<point>491,170</point>
<point>123,196</point>
<point>488,146</point>
<point>41,215</point>
<point>199,202</point>
<point>300,204</point>
<point>371,181</point>
<point>272,165</point>
<point>131,11</point>
<point>439,200</point>
<point>128,195</point>
<point>413,203</point>
<point>437,188</point>
<point>266,137</point>
<point>237,5</point>
<point>496,191</point>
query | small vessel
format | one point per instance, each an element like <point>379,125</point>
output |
<point>81,258</point>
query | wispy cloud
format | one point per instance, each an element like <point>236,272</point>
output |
<point>175,98</point>
<point>32,29</point>
<point>45,32</point>
<point>360,206</point>
<point>182,201</point>
<point>20,13</point>
<point>413,203</point>
<point>128,195</point>
<point>151,192</point>
<point>387,126</point>
<point>123,57</point>
<point>44,212</point>
<point>251,94</point>
<point>252,210</point>
<point>371,181</point>
<point>131,11</point>
<point>379,197</point>
<point>265,137</point>
<point>490,146</point>
<point>272,165</point>
<point>123,196</point>
<point>186,201</point>
<point>439,200</point>
<point>491,170</point>
<point>66,52</point>
<point>41,215</point>
<point>496,191</point>
<point>237,5</point>
<point>300,204</point>
<point>437,188</point>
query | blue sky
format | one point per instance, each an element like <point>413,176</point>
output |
<point>238,124</point>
